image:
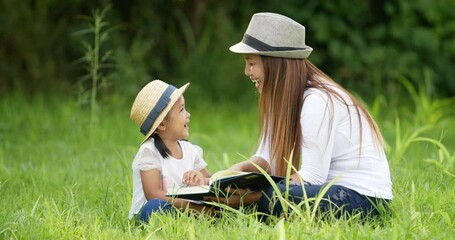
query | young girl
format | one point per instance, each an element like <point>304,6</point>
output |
<point>305,114</point>
<point>164,159</point>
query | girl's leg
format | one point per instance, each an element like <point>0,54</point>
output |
<point>154,205</point>
<point>339,199</point>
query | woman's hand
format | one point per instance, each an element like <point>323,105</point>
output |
<point>236,197</point>
<point>194,178</point>
<point>296,179</point>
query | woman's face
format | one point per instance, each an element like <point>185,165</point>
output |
<point>255,70</point>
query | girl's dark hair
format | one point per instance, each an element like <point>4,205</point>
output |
<point>159,144</point>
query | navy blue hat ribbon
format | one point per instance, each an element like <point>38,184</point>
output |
<point>262,46</point>
<point>160,105</point>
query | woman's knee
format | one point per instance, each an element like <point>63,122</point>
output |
<point>335,198</point>
<point>297,193</point>
<point>265,202</point>
<point>269,202</point>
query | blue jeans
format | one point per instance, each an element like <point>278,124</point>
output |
<point>154,205</point>
<point>338,199</point>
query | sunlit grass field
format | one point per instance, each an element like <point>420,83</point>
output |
<point>66,175</point>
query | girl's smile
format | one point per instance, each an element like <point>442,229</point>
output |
<point>175,125</point>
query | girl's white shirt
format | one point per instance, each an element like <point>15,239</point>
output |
<point>331,147</point>
<point>172,170</point>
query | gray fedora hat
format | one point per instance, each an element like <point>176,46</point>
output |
<point>274,35</point>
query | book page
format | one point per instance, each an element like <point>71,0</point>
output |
<point>188,190</point>
<point>225,173</point>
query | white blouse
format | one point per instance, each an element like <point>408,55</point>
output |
<point>331,145</point>
<point>172,169</point>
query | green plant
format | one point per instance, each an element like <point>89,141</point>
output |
<point>96,60</point>
<point>444,161</point>
<point>428,110</point>
<point>426,116</point>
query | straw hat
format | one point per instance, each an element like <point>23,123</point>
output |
<point>275,35</point>
<point>153,103</point>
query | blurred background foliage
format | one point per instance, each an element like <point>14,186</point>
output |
<point>365,45</point>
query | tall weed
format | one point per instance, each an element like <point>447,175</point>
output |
<point>96,60</point>
<point>422,123</point>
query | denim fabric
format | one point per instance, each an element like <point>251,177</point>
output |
<point>338,199</point>
<point>154,205</point>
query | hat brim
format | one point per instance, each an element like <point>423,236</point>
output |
<point>245,49</point>
<point>173,98</point>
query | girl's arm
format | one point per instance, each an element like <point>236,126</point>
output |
<point>196,178</point>
<point>207,175</point>
<point>151,185</point>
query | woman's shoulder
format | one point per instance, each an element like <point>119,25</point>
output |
<point>320,100</point>
<point>331,92</point>
<point>315,92</point>
<point>316,95</point>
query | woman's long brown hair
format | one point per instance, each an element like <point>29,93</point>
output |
<point>281,101</point>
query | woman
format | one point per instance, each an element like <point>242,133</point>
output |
<point>304,115</point>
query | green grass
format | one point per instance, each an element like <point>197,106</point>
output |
<point>64,176</point>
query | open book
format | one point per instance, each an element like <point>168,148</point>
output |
<point>220,181</point>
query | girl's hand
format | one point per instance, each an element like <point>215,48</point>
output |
<point>194,178</point>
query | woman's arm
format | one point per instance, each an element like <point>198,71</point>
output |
<point>319,121</point>
<point>247,166</point>
<point>239,197</point>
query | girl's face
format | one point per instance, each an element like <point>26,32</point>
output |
<point>255,70</point>
<point>176,123</point>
